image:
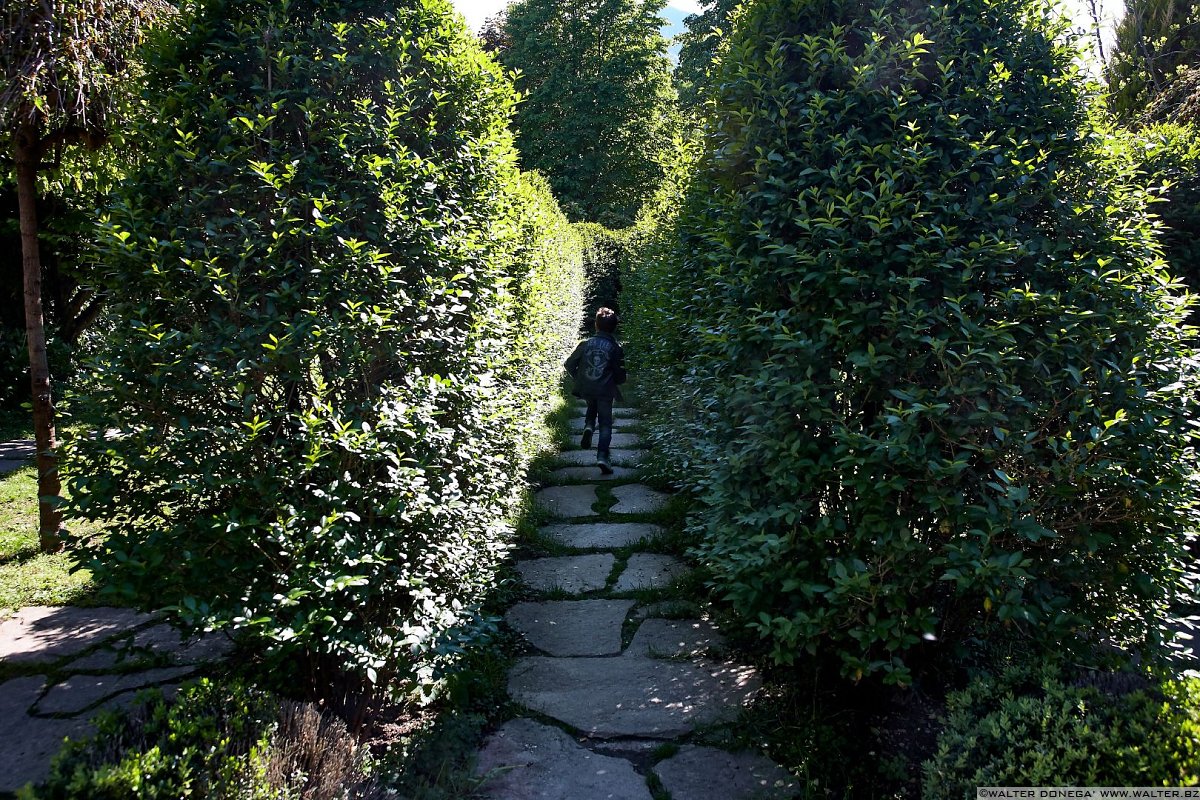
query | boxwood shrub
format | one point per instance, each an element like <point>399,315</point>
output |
<point>927,350</point>
<point>1028,728</point>
<point>342,313</point>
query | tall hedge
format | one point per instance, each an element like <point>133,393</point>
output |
<point>943,383</point>
<point>342,313</point>
<point>605,260</point>
<point>662,288</point>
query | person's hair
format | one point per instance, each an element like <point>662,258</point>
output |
<point>606,320</point>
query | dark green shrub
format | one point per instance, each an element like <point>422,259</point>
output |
<point>339,319</point>
<point>938,383</point>
<point>1036,730</point>
<point>14,367</point>
<point>214,741</point>
<point>1170,154</point>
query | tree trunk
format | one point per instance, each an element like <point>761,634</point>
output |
<point>28,156</point>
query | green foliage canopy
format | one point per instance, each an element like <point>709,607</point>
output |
<point>698,46</point>
<point>597,116</point>
<point>937,386</point>
<point>344,310</point>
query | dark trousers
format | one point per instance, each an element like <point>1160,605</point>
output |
<point>599,410</point>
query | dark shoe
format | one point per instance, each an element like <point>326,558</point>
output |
<point>585,441</point>
<point>602,461</point>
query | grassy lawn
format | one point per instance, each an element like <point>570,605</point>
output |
<point>27,577</point>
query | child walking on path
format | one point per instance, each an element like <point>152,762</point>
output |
<point>598,367</point>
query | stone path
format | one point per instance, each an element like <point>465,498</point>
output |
<point>617,673</point>
<point>59,666</point>
<point>16,454</point>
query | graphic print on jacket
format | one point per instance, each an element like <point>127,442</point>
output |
<point>596,362</point>
<point>598,367</point>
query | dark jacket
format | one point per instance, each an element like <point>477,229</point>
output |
<point>598,366</point>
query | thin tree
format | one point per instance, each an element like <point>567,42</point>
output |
<point>63,62</point>
<point>1095,9</point>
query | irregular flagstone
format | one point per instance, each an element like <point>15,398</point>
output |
<point>18,450</point>
<point>591,473</point>
<point>205,648</point>
<point>567,501</point>
<point>51,632</point>
<point>665,638</point>
<point>618,441</point>
<point>619,426</point>
<point>625,440</point>
<point>530,761</point>
<point>620,412</point>
<point>638,499</point>
<point>649,571</point>
<point>624,458</point>
<point>80,692</point>
<point>107,658</point>
<point>574,574</point>
<point>706,773</point>
<point>601,534</point>
<point>158,638</point>
<point>572,627</point>
<point>27,744</point>
<point>641,697</point>
<point>157,641</point>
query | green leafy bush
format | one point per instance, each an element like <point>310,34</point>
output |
<point>1170,154</point>
<point>1027,729</point>
<point>214,741</point>
<point>934,374</point>
<point>342,310</point>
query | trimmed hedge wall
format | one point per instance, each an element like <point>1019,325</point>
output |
<point>343,316</point>
<point>605,260</point>
<point>912,320</point>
